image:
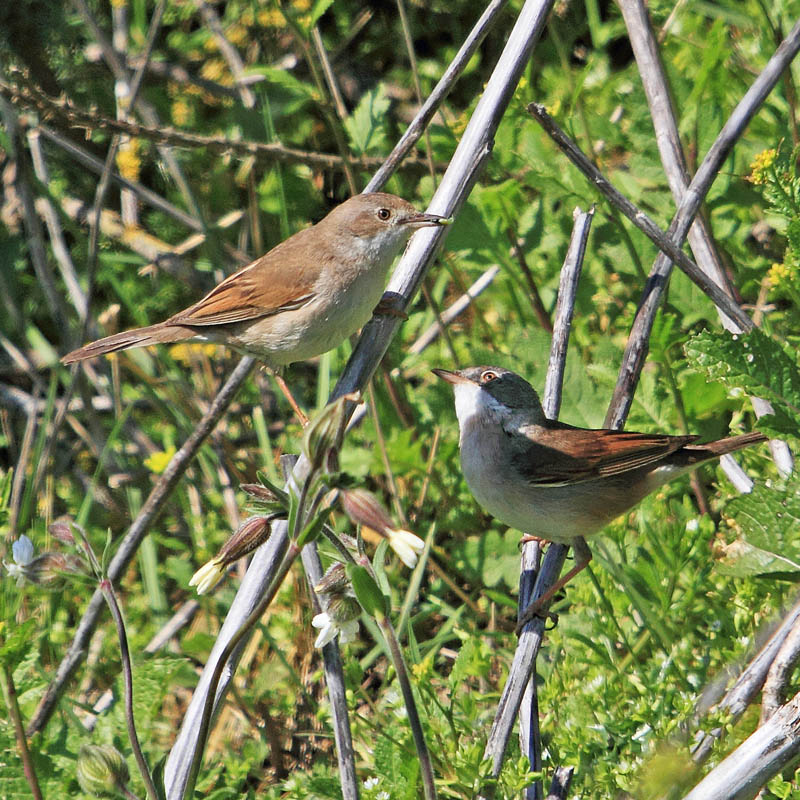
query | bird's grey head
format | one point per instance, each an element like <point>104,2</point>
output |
<point>492,392</point>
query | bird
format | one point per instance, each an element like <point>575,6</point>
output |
<point>555,481</point>
<point>303,297</point>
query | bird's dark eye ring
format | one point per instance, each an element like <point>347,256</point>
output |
<point>384,213</point>
<point>488,376</point>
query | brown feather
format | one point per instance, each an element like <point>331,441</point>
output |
<point>259,289</point>
<point>563,454</point>
<point>138,337</point>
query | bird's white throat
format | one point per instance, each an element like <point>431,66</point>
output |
<point>474,404</point>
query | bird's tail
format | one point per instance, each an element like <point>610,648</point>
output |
<point>695,453</point>
<point>138,337</point>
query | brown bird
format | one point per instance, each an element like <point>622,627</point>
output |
<point>303,297</point>
<point>553,480</point>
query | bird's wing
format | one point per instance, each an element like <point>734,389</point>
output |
<point>260,289</point>
<point>562,454</point>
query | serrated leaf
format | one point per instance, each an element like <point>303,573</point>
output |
<point>18,641</point>
<point>741,559</point>
<point>320,7</point>
<point>769,521</point>
<point>366,126</point>
<point>754,363</point>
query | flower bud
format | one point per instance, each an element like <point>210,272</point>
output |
<point>363,508</point>
<point>259,492</point>
<point>252,533</point>
<point>61,529</point>
<point>101,770</point>
<point>323,433</point>
<point>50,569</point>
<point>342,610</point>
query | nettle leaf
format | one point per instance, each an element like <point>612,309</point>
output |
<point>366,126</point>
<point>756,364</point>
<point>320,7</point>
<point>769,521</point>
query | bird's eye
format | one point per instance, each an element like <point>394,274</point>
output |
<point>488,376</point>
<point>384,213</point>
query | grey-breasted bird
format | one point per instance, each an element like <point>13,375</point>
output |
<point>552,480</point>
<point>303,297</point>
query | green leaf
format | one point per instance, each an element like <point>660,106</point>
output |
<point>367,591</point>
<point>756,364</point>
<point>366,126</point>
<point>493,556</point>
<point>320,7</point>
<point>769,521</point>
<point>17,643</point>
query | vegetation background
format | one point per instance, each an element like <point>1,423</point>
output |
<point>663,614</point>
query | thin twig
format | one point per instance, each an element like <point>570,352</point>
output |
<point>638,217</point>
<point>436,98</point>
<point>636,350</point>
<point>414,722</point>
<point>454,310</point>
<point>556,554</point>
<point>12,709</point>
<point>565,308</point>
<point>86,159</point>
<point>766,752</point>
<point>530,740</point>
<point>332,661</point>
<point>521,670</point>
<point>68,114</point>
<point>45,207</point>
<point>536,299</point>
<point>748,685</point>
<point>337,686</point>
<point>229,53</point>
<point>662,112</point>
<point>147,111</point>
<point>779,674</point>
<point>559,786</point>
<point>412,61</point>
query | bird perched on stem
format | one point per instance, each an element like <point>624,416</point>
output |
<point>303,297</point>
<point>552,480</point>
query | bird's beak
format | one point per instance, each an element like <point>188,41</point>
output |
<point>451,376</point>
<point>426,220</point>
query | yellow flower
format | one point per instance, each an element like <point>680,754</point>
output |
<point>158,461</point>
<point>237,34</point>
<point>128,161</point>
<point>271,18</point>
<point>778,275</point>
<point>761,166</point>
<point>181,112</point>
<point>213,69</point>
<point>185,352</point>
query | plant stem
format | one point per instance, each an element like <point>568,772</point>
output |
<point>426,769</point>
<point>127,673</point>
<point>255,615</point>
<point>12,704</point>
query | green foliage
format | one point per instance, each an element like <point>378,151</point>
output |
<point>757,364</point>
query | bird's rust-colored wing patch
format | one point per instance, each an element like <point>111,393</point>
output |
<point>562,454</point>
